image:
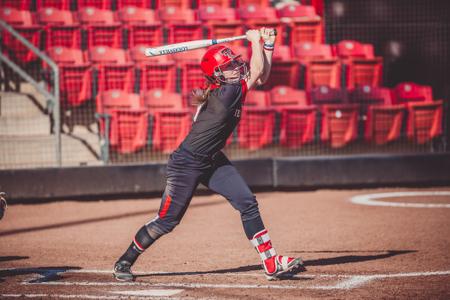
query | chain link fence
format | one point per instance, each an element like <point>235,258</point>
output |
<point>331,90</point>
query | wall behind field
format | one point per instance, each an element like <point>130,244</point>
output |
<point>413,37</point>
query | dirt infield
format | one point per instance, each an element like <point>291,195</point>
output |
<point>66,249</point>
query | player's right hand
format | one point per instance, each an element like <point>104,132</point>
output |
<point>253,35</point>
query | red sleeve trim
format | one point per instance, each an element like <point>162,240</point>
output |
<point>244,89</point>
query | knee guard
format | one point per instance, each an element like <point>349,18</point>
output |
<point>159,227</point>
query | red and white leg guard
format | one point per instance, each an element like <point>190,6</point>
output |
<point>274,265</point>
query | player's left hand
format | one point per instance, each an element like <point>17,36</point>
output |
<point>268,35</point>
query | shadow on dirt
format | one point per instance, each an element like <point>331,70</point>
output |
<point>9,258</point>
<point>346,259</point>
<point>150,214</point>
<point>43,274</point>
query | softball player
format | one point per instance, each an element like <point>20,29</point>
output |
<point>199,158</point>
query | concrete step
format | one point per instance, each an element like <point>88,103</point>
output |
<point>20,105</point>
<point>39,151</point>
<point>31,125</point>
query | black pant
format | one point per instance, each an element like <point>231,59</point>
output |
<point>185,170</point>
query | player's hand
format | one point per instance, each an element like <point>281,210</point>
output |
<point>268,35</point>
<point>253,35</point>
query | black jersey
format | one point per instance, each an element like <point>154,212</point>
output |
<point>216,119</point>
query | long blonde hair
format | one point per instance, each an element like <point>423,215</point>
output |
<point>200,95</point>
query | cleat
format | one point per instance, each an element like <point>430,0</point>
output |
<point>283,267</point>
<point>275,266</point>
<point>122,271</point>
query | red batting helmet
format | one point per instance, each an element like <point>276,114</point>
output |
<point>217,58</point>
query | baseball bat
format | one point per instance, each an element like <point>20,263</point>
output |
<point>192,45</point>
<point>186,46</point>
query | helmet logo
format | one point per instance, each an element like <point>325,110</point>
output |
<point>227,52</point>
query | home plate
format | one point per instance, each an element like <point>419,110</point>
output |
<point>154,293</point>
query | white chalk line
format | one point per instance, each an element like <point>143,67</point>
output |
<point>351,281</point>
<point>86,296</point>
<point>371,199</point>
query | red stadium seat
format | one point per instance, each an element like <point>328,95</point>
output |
<point>292,12</point>
<point>75,75</point>
<point>15,50</point>
<point>256,127</point>
<point>298,118</point>
<point>17,4</point>
<point>104,35</point>
<point>339,124</point>
<point>307,51</point>
<point>185,32</point>
<point>297,126</point>
<point>107,55</point>
<point>370,95</point>
<point>282,97</point>
<point>75,84</point>
<point>362,67</point>
<point>67,56</point>
<point>424,115</point>
<point>173,14</point>
<point>162,100</point>
<point>182,24</point>
<point>58,4</point>
<point>306,31</point>
<point>192,77</point>
<point>255,98</point>
<point>347,49</point>
<point>175,3</point>
<point>220,3</point>
<point>117,77</point>
<point>218,30</point>
<point>382,121</point>
<point>251,13</point>
<point>136,3</point>
<point>221,22</point>
<point>117,99</point>
<point>128,130</point>
<point>170,129</point>
<point>100,4</point>
<point>148,35</point>
<point>63,35</point>
<point>115,71</point>
<point>128,120</point>
<point>15,17</point>
<point>97,16</point>
<point>62,28</point>
<point>216,13</point>
<point>322,73</point>
<point>137,15</point>
<point>322,95</point>
<point>262,3</point>
<point>170,120</point>
<point>319,66</point>
<point>424,121</point>
<point>161,75</point>
<point>406,92</point>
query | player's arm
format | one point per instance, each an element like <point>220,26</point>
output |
<point>268,36</point>
<point>257,59</point>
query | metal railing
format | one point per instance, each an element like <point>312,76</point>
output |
<point>53,96</point>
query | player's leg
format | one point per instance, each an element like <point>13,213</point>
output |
<point>181,184</point>
<point>226,180</point>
